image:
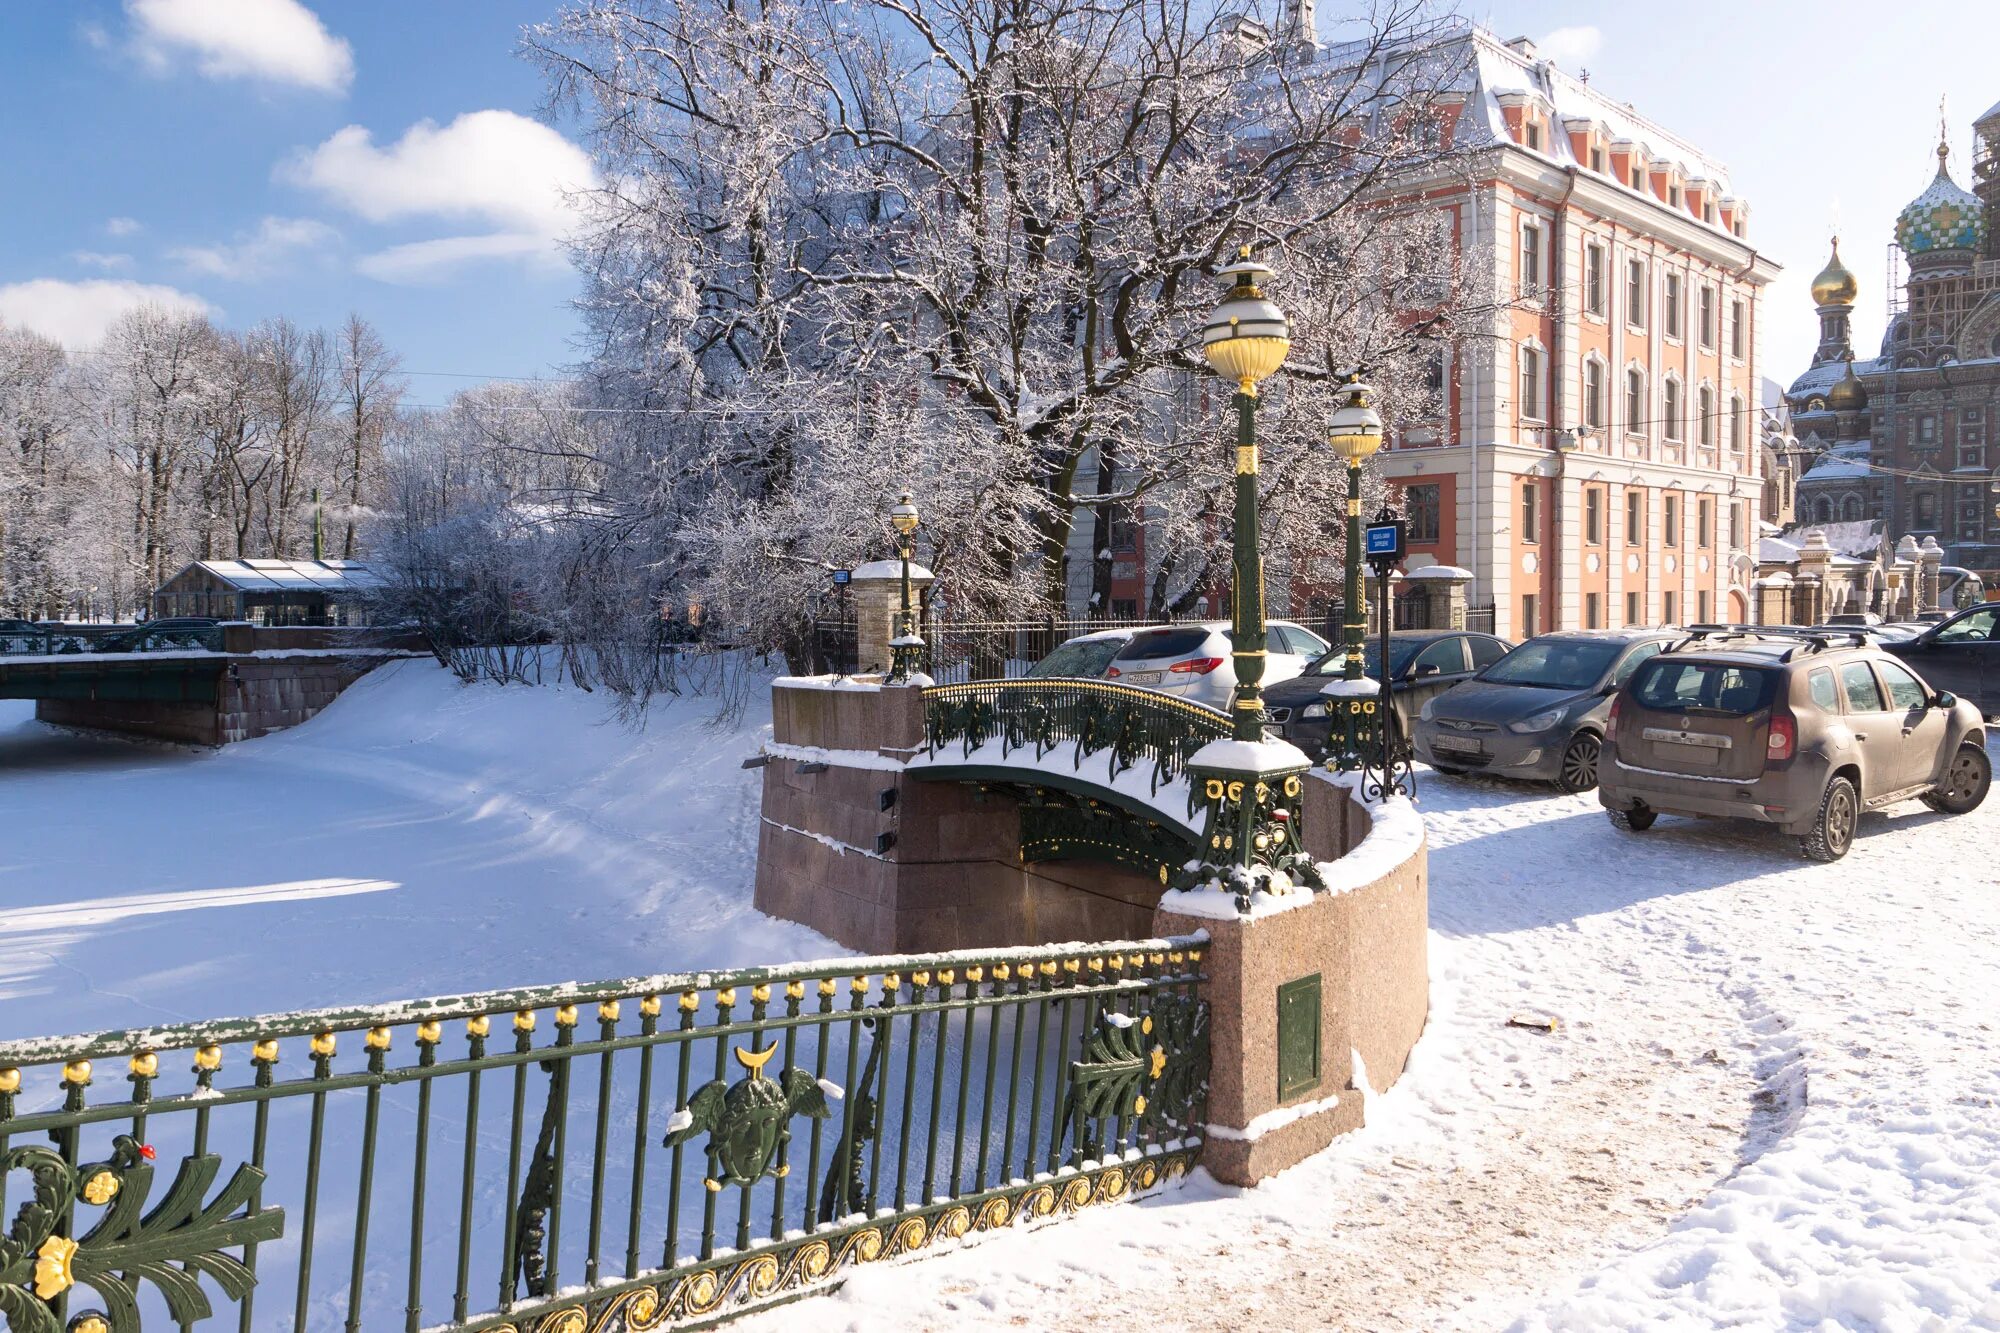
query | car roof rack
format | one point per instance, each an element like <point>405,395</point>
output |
<point>1817,639</point>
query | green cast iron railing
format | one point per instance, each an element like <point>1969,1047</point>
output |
<point>1082,717</point>
<point>572,1158</point>
<point>56,640</point>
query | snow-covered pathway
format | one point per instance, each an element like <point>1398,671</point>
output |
<point>1771,1102</point>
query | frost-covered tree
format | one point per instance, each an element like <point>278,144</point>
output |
<point>970,246</point>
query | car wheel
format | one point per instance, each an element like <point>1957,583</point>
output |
<point>1833,831</point>
<point>1636,820</point>
<point>1578,771</point>
<point>1965,782</point>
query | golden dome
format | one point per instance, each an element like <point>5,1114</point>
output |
<point>1847,395</point>
<point>1834,285</point>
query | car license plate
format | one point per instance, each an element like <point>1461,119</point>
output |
<point>1146,677</point>
<point>1456,744</point>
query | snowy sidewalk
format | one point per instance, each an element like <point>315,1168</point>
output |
<point>1772,1102</point>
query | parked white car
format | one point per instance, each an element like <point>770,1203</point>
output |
<point>1192,661</point>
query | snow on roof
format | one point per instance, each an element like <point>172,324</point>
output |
<point>1492,69</point>
<point>328,576</point>
<point>1776,551</point>
<point>1850,537</point>
<point>889,569</point>
<point>1825,375</point>
<point>1838,467</point>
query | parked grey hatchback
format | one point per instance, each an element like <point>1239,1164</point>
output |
<point>1802,731</point>
<point>1539,711</point>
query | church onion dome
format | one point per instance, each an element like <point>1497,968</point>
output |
<point>1943,217</point>
<point>1834,285</point>
<point>1848,395</point>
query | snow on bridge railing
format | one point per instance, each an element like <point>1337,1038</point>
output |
<point>1129,725</point>
<point>925,1098</point>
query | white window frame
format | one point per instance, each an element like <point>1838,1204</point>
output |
<point>1705,314</point>
<point>1529,256</point>
<point>1637,290</point>
<point>1532,355</point>
<point>1671,407</point>
<point>1739,338</point>
<point>1704,407</point>
<point>1595,262</point>
<point>1634,422</point>
<point>1673,322</point>
<point>1595,412</point>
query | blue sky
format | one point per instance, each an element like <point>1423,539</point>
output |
<point>308,158</point>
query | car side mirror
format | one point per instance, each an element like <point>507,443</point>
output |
<point>1610,688</point>
<point>1944,699</point>
<point>1422,669</point>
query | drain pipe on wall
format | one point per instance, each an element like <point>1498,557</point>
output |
<point>1561,439</point>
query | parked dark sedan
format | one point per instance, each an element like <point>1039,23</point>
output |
<point>1539,711</point>
<point>1961,655</point>
<point>1422,664</point>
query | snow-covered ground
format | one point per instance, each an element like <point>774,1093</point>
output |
<point>419,837</point>
<point>1772,1099</point>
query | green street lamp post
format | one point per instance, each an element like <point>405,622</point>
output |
<point>1246,340</point>
<point>1355,433</point>
<point>904,648</point>
<point>1250,789</point>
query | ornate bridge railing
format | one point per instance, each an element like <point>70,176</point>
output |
<point>1139,729</point>
<point>624,1155</point>
<point>56,640</point>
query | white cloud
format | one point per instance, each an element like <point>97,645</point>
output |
<point>121,226</point>
<point>435,260</point>
<point>267,250</point>
<point>277,41</point>
<point>98,259</point>
<point>497,169</point>
<point>76,314</point>
<point>1570,47</point>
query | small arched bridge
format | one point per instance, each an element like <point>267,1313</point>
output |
<point>1099,769</point>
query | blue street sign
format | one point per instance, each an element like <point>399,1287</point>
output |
<point>842,577</point>
<point>1382,540</point>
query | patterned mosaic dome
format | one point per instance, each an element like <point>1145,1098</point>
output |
<point>1943,217</point>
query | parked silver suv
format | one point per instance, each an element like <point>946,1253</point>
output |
<point>1802,731</point>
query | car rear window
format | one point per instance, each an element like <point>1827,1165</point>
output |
<point>1163,643</point>
<point>1669,686</point>
<point>1823,696</point>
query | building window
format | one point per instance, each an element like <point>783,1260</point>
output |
<point>1635,293</point>
<point>1531,524</point>
<point>1633,611</point>
<point>1924,432</point>
<point>1736,333</point>
<point>1670,409</point>
<point>1593,394</point>
<point>1531,261</point>
<point>1736,526</point>
<point>1704,522</point>
<point>1597,159</point>
<point>1673,302</point>
<point>1531,383</point>
<point>1593,516</point>
<point>1670,607</point>
<point>1672,522</point>
<point>1924,512</point>
<point>1736,427</point>
<point>1534,131</point>
<point>1635,401</point>
<point>1421,511</point>
<point>1704,608</point>
<point>1707,316</point>
<point>1674,195</point>
<point>1635,518</point>
<point>1593,279</point>
<point>1593,617</point>
<point>1531,616</point>
<point>1704,406</point>
<point>1638,178</point>
<point>1850,509</point>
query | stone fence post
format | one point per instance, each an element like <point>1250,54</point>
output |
<point>1931,556</point>
<point>1443,589</point>
<point>877,595</point>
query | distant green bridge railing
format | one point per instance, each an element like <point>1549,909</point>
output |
<point>1136,729</point>
<point>56,640</point>
<point>631,1154</point>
